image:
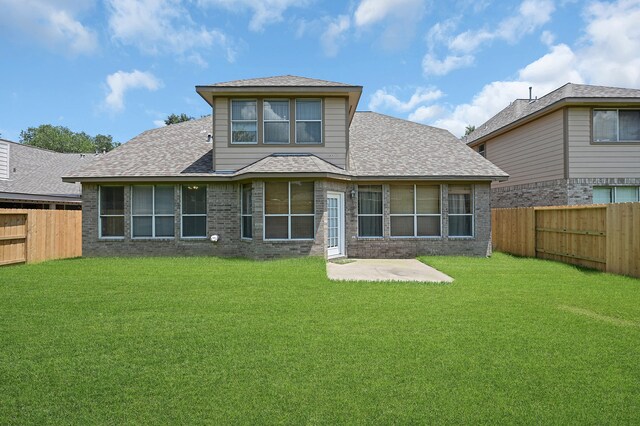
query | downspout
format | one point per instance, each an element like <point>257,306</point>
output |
<point>213,135</point>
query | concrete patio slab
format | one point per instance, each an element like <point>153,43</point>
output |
<point>384,270</point>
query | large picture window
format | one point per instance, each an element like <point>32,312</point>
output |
<point>289,211</point>
<point>111,199</point>
<point>370,210</point>
<point>616,125</point>
<point>247,211</point>
<point>152,211</point>
<point>415,210</point>
<point>308,121</point>
<point>460,211</point>
<point>244,121</point>
<point>276,121</point>
<point>194,211</point>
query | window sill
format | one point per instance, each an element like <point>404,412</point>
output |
<point>623,143</point>
<point>110,238</point>
<point>194,238</point>
<point>287,240</point>
<point>435,237</point>
<point>152,238</point>
<point>470,237</point>
<point>369,238</point>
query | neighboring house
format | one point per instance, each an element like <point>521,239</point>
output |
<point>31,178</point>
<point>579,144</point>
<point>287,167</point>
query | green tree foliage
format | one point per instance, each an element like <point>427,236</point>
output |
<point>174,119</point>
<point>61,139</point>
<point>469,129</point>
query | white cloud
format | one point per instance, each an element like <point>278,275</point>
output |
<point>399,17</point>
<point>386,98</point>
<point>120,82</point>
<point>531,15</point>
<point>434,66</point>
<point>53,23</point>
<point>334,35</point>
<point>159,123</point>
<point>424,113</point>
<point>265,12</point>
<point>548,38</point>
<point>163,26</point>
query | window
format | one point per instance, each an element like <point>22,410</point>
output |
<point>308,121</point>
<point>415,210</point>
<point>616,125</point>
<point>111,199</point>
<point>244,121</point>
<point>289,211</point>
<point>370,210</point>
<point>194,211</point>
<point>276,121</point>
<point>152,211</point>
<point>482,150</point>
<point>615,194</point>
<point>460,211</point>
<point>246,211</point>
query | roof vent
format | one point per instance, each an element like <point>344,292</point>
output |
<point>4,160</point>
<point>209,138</point>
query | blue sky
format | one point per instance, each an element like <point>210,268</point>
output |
<point>119,67</point>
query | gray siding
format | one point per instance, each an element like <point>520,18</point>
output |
<point>533,152</point>
<point>334,136</point>
<point>587,160</point>
<point>4,160</point>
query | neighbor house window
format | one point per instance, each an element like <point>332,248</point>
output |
<point>616,125</point>
<point>482,150</point>
<point>370,210</point>
<point>244,121</point>
<point>246,199</point>
<point>289,210</point>
<point>276,121</point>
<point>194,211</point>
<point>308,121</point>
<point>460,211</point>
<point>615,194</point>
<point>111,199</point>
<point>152,211</point>
<point>415,210</point>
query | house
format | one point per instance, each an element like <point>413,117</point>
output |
<point>579,144</point>
<point>31,178</point>
<point>285,166</point>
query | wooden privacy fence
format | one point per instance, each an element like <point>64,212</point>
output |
<point>28,236</point>
<point>604,237</point>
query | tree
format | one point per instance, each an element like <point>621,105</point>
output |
<point>61,139</point>
<point>469,129</point>
<point>174,119</point>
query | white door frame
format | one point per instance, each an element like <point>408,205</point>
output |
<point>340,250</point>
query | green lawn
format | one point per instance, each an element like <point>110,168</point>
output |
<point>202,340</point>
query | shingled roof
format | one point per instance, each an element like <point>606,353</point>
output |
<point>281,81</point>
<point>379,146</point>
<point>384,146</point>
<point>38,172</point>
<point>520,109</point>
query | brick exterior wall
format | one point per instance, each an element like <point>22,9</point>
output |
<point>554,192</point>
<point>223,219</point>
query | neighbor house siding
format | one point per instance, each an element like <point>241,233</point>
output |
<point>603,160</point>
<point>531,153</point>
<point>4,160</point>
<point>333,150</point>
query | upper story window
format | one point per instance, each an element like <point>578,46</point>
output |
<point>276,121</point>
<point>616,125</point>
<point>308,121</point>
<point>482,150</point>
<point>244,121</point>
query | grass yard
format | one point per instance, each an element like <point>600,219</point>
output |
<point>200,340</point>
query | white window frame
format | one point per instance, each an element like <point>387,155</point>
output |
<point>289,215</point>
<point>309,121</point>
<point>243,215</point>
<point>370,215</point>
<point>472,214</point>
<point>243,121</point>
<point>183,215</point>
<point>617,110</point>
<point>415,214</point>
<point>614,192</point>
<point>265,121</point>
<point>153,215</point>
<point>100,216</point>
